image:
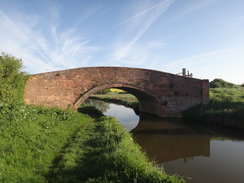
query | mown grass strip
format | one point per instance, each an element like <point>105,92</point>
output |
<point>105,152</point>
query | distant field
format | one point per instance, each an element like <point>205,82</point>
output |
<point>116,90</point>
<point>117,95</point>
<point>122,98</point>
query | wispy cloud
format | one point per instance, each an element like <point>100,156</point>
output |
<point>142,22</point>
<point>165,5</point>
<point>194,7</point>
<point>43,49</point>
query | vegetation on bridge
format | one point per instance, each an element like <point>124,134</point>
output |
<point>52,145</point>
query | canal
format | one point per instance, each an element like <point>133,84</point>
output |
<point>199,153</point>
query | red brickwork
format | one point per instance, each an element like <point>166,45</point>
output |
<point>159,93</point>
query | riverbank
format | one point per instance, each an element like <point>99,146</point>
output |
<point>226,106</point>
<point>52,145</point>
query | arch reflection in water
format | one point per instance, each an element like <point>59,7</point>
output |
<point>162,140</point>
<point>167,140</point>
<point>126,116</point>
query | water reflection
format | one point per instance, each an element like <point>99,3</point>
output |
<point>100,105</point>
<point>124,115</point>
<point>198,153</point>
<point>167,140</point>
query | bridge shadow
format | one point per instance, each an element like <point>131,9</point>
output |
<point>166,140</point>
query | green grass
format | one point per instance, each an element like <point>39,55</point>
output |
<point>123,98</point>
<point>31,138</point>
<point>52,145</point>
<point>226,107</point>
<point>235,94</point>
<point>106,154</point>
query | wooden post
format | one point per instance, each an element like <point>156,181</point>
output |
<point>184,72</point>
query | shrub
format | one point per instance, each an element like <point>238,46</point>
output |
<point>12,79</point>
<point>220,83</point>
<point>104,91</point>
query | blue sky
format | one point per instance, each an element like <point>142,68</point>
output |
<point>204,36</point>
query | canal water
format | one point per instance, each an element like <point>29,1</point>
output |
<point>199,153</point>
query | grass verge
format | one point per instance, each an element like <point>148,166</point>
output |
<point>106,153</point>
<point>226,107</point>
<point>31,138</point>
<point>51,145</point>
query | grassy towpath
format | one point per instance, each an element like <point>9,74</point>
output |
<point>51,145</point>
<point>105,152</point>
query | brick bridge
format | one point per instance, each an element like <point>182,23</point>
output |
<point>159,93</point>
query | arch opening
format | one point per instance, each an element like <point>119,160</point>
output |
<point>147,101</point>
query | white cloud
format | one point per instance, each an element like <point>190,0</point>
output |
<point>43,49</point>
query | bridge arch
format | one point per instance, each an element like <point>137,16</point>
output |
<point>143,95</point>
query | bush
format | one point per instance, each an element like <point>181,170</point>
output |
<point>220,83</point>
<point>104,91</point>
<point>12,79</point>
